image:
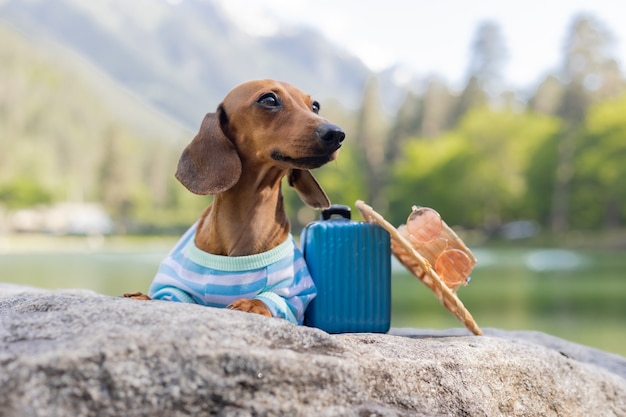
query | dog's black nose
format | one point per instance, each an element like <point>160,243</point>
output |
<point>331,135</point>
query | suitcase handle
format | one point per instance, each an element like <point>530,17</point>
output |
<point>338,209</point>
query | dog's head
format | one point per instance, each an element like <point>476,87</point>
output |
<point>261,125</point>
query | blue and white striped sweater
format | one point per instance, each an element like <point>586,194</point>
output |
<point>279,278</point>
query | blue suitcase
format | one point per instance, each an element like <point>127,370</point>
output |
<point>350,263</point>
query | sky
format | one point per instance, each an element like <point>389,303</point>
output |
<point>433,37</point>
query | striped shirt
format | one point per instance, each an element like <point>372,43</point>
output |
<point>278,277</point>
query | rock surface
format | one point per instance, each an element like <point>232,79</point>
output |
<point>76,353</point>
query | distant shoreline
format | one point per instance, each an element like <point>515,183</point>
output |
<point>14,243</point>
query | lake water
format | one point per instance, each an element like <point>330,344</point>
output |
<point>577,295</point>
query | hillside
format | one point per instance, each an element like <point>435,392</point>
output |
<point>183,58</point>
<point>69,133</point>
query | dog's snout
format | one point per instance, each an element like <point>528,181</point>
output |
<point>331,135</point>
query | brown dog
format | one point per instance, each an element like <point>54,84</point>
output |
<point>262,131</point>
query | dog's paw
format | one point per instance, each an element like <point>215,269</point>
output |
<point>136,295</point>
<point>250,306</point>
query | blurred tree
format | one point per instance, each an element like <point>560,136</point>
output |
<point>432,172</point>
<point>548,96</point>
<point>438,102</point>
<point>502,144</point>
<point>599,190</point>
<point>158,167</point>
<point>473,96</point>
<point>474,175</point>
<point>407,123</point>
<point>588,64</point>
<point>540,179</point>
<point>588,69</point>
<point>117,175</point>
<point>23,191</point>
<point>370,140</point>
<point>478,166</point>
<point>426,115</point>
<point>488,57</point>
<point>59,142</point>
<point>485,81</point>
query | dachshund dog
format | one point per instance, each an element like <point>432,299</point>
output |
<point>240,253</point>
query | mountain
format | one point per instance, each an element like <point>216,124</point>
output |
<point>183,58</point>
<point>68,133</point>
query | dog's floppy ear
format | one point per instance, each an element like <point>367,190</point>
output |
<point>308,188</point>
<point>210,163</point>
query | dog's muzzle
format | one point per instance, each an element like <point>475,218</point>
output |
<point>330,137</point>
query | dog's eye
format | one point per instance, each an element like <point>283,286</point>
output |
<point>315,107</point>
<point>269,100</point>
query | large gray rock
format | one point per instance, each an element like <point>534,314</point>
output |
<point>82,354</point>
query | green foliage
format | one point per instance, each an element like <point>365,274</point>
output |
<point>477,156</point>
<point>476,173</point>
<point>599,190</point>
<point>58,141</point>
<point>343,179</point>
<point>540,177</point>
<point>23,192</point>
